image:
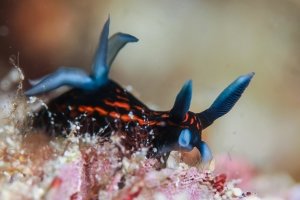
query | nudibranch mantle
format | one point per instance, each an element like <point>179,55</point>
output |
<point>100,106</point>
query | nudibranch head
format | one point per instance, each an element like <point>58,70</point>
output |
<point>184,128</point>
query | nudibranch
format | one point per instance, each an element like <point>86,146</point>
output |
<point>101,106</point>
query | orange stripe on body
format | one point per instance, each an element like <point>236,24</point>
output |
<point>122,98</point>
<point>85,109</point>
<point>186,117</point>
<point>101,111</point>
<point>117,104</point>
<point>192,121</point>
<point>90,109</point>
<point>165,115</point>
<point>125,118</point>
<point>138,108</point>
<point>198,126</point>
<point>141,122</point>
<point>114,115</point>
<point>122,105</point>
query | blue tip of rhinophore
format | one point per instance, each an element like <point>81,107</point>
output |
<point>251,74</point>
<point>107,22</point>
<point>189,83</point>
<point>129,38</point>
<point>246,77</point>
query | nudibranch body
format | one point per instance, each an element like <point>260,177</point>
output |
<point>100,106</point>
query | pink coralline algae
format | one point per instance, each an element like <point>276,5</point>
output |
<point>105,178</point>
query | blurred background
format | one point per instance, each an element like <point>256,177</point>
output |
<point>209,41</point>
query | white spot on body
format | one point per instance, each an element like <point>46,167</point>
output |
<point>128,88</point>
<point>131,115</point>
